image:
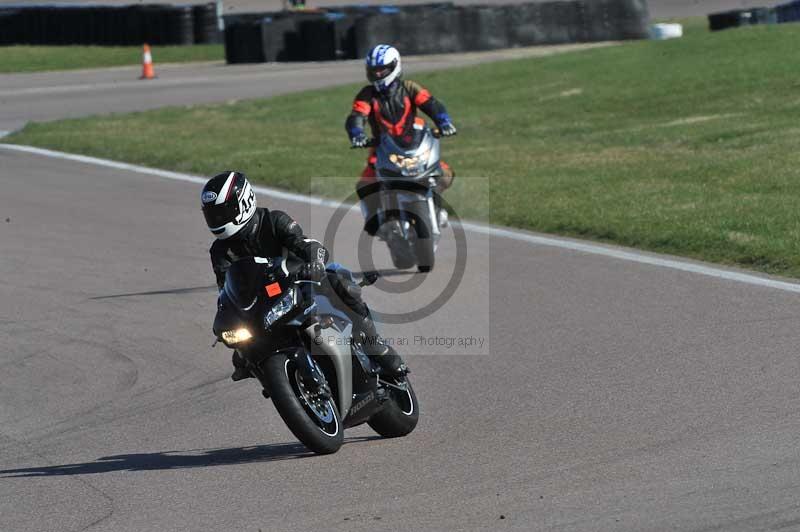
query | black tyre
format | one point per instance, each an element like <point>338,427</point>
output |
<point>424,244</point>
<point>399,249</point>
<point>317,425</point>
<point>423,249</point>
<point>402,260</point>
<point>399,416</point>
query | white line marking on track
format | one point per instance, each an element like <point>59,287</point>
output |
<point>495,231</point>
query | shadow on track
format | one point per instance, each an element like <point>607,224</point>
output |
<point>171,291</point>
<point>213,288</point>
<point>389,273</point>
<point>175,460</point>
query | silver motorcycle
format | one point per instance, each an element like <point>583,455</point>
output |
<point>411,217</point>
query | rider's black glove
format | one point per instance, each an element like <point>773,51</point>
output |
<point>311,271</point>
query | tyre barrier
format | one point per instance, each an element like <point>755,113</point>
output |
<point>484,28</point>
<point>789,12</point>
<point>9,26</point>
<point>487,27</point>
<point>758,15</point>
<point>335,33</point>
<point>329,38</point>
<point>244,42</point>
<point>206,29</point>
<point>62,24</point>
<point>422,32</point>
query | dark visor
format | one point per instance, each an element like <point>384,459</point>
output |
<point>377,73</point>
<point>219,215</point>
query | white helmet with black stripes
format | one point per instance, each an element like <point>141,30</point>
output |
<point>228,203</point>
<point>383,66</point>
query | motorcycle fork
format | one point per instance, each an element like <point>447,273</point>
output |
<point>391,203</point>
<point>388,204</point>
<point>431,197</point>
<point>308,332</point>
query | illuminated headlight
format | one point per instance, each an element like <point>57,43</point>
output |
<point>236,337</point>
<point>280,308</point>
<point>408,163</point>
<point>424,156</point>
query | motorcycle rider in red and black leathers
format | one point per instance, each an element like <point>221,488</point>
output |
<point>245,230</point>
<point>389,105</point>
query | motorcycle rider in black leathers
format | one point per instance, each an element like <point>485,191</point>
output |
<point>245,230</point>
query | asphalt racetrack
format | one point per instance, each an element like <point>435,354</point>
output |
<point>608,396</point>
<point>71,94</point>
<point>595,393</point>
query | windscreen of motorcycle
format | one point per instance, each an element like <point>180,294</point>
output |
<point>408,156</point>
<point>244,280</point>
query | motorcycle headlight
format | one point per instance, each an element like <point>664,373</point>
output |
<point>237,336</point>
<point>279,309</point>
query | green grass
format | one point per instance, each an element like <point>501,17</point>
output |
<point>687,146</point>
<point>15,59</point>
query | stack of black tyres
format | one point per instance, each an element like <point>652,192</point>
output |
<point>789,12</point>
<point>9,21</point>
<point>484,28</point>
<point>606,20</point>
<point>744,17</point>
<point>350,31</point>
<point>179,25</point>
<point>414,31</point>
<point>206,30</point>
<point>244,40</point>
<point>329,38</point>
<point>108,25</point>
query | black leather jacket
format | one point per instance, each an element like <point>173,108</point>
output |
<point>267,234</point>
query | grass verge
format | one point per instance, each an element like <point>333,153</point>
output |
<point>18,59</point>
<point>686,147</point>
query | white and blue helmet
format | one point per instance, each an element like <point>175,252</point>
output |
<point>383,66</point>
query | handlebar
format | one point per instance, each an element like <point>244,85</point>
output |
<point>373,142</point>
<point>306,281</point>
<point>369,278</point>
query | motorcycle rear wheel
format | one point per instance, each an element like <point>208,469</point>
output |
<point>317,426</point>
<point>400,414</point>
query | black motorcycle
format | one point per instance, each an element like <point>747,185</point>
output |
<point>301,349</point>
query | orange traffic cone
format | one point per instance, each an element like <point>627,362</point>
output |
<point>147,64</point>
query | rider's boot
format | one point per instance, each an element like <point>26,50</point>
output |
<point>443,218</point>
<point>445,182</point>
<point>240,371</point>
<point>384,355</point>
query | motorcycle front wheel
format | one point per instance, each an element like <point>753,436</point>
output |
<point>424,248</point>
<point>400,249</point>
<point>316,423</point>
